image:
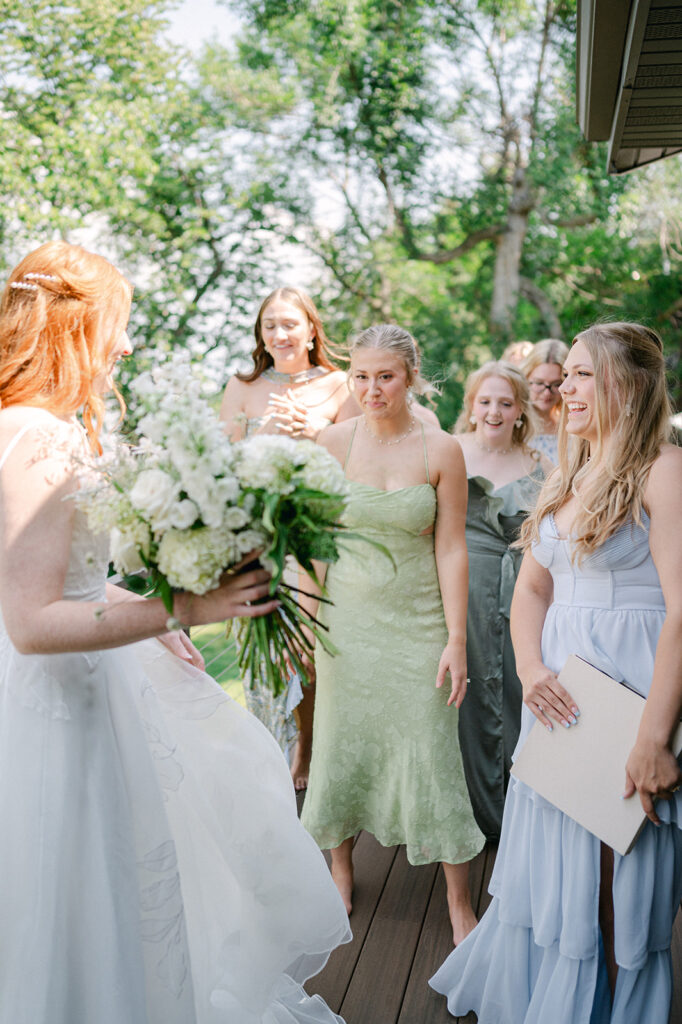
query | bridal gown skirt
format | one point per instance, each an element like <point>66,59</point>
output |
<point>152,866</point>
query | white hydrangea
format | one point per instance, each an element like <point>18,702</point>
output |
<point>321,471</point>
<point>268,461</point>
<point>195,559</point>
<point>253,539</point>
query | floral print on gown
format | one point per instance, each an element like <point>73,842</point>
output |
<point>386,756</point>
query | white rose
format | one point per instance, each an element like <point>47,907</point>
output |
<point>183,514</point>
<point>234,518</point>
<point>125,547</point>
<point>154,494</point>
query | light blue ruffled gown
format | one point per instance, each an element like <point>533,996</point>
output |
<point>535,955</point>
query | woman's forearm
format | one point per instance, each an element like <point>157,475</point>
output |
<point>663,706</point>
<point>452,565</point>
<point>531,600</point>
<point>63,626</point>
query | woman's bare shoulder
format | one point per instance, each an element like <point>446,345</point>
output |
<point>19,417</point>
<point>336,436</point>
<point>39,436</point>
<point>446,442</point>
<point>236,386</point>
<point>426,415</point>
<point>444,451</point>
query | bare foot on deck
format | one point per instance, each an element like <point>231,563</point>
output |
<point>343,880</point>
<point>462,919</point>
<point>300,762</point>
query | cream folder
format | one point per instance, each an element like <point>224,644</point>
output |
<point>581,770</point>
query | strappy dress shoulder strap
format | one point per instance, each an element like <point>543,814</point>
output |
<point>350,445</point>
<point>426,459</point>
<point>15,441</point>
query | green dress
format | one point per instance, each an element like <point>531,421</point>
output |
<point>385,752</point>
<point>490,716</point>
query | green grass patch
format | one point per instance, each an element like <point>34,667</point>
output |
<point>220,654</point>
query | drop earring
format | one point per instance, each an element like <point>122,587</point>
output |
<point>518,423</point>
<point>472,421</point>
<point>310,344</point>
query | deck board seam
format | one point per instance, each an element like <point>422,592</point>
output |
<point>427,903</point>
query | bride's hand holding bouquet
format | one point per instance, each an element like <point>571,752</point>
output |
<point>187,511</point>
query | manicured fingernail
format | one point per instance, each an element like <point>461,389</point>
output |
<point>549,728</point>
<point>575,711</point>
<point>573,721</point>
<point>567,725</point>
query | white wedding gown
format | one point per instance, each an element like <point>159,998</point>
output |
<point>152,866</point>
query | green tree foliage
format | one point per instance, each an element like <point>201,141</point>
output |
<point>433,163</point>
<point>115,138</point>
<point>414,160</point>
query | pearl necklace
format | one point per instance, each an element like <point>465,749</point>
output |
<point>494,451</point>
<point>396,440</point>
<point>302,377</point>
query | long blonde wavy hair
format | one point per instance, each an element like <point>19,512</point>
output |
<point>633,421</point>
<point>61,312</point>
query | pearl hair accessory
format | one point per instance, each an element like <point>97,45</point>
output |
<point>24,284</point>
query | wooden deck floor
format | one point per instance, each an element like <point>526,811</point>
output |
<point>401,935</point>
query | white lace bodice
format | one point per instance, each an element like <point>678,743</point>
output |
<point>88,560</point>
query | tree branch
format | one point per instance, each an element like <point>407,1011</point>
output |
<point>542,302</point>
<point>470,242</point>
<point>580,220</point>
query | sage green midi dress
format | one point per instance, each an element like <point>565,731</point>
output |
<point>386,754</point>
<point>490,718</point>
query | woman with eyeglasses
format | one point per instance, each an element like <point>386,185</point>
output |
<point>543,370</point>
<point>505,474</point>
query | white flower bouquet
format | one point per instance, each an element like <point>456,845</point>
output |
<point>186,505</point>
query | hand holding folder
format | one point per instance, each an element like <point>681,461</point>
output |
<point>581,770</point>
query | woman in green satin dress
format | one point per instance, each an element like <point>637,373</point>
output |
<point>386,757</point>
<point>505,475</point>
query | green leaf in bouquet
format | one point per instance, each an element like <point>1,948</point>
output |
<point>270,509</point>
<point>165,592</point>
<point>277,553</point>
<point>138,584</point>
